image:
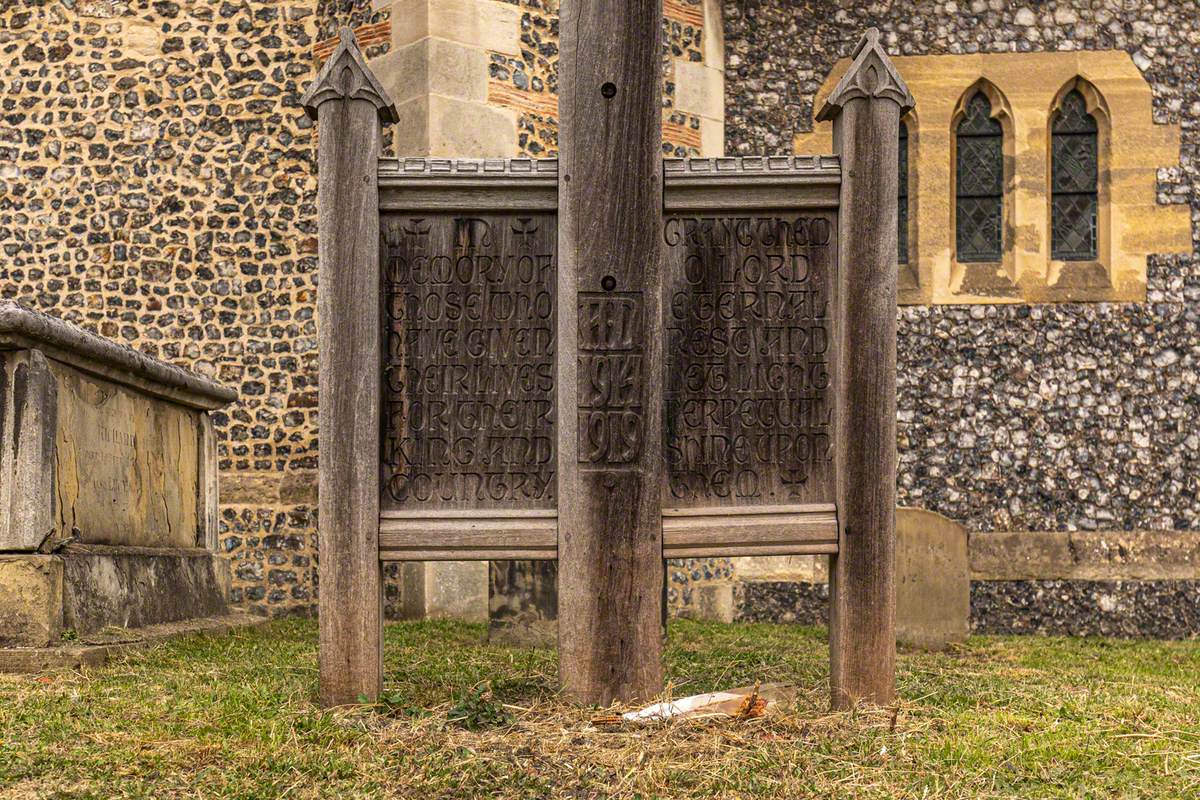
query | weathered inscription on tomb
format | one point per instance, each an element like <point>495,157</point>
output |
<point>126,464</point>
<point>747,314</point>
<point>469,361</point>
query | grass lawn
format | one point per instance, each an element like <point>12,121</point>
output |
<point>235,717</point>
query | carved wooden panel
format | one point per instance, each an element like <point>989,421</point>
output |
<point>747,326</point>
<point>468,446</point>
<point>469,361</point>
<point>748,309</point>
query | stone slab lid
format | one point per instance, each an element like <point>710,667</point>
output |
<point>24,328</point>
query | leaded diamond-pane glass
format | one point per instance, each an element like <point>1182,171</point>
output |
<point>1074,180</point>
<point>1074,230</point>
<point>1074,162</point>
<point>978,223</point>
<point>979,183</point>
<point>1073,116</point>
<point>980,166</point>
<point>902,205</point>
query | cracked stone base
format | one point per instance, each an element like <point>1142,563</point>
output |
<point>84,590</point>
<point>97,649</point>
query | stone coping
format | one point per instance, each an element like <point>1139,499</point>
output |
<point>1137,555</point>
<point>99,649</point>
<point>23,327</point>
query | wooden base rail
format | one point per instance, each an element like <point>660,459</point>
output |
<point>749,531</point>
<point>499,535</point>
<point>473,535</point>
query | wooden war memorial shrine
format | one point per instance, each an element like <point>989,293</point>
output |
<point>609,359</point>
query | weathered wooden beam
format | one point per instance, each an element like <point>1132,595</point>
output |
<point>350,105</point>
<point>609,365</point>
<point>461,535</point>
<point>866,107</point>
<point>749,530</point>
<point>466,185</point>
<point>736,183</point>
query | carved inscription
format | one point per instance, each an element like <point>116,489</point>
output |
<point>469,361</point>
<point>612,335</point>
<point>110,451</point>
<point>747,320</point>
<point>127,465</point>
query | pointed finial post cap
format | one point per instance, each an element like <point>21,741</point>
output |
<point>871,74</point>
<point>346,75</point>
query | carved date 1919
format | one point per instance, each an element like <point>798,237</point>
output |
<point>612,330</point>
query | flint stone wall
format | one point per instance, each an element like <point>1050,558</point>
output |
<point>1052,418</point>
<point>157,186</point>
<point>1025,417</point>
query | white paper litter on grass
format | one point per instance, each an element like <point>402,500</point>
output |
<point>745,701</point>
<point>692,706</point>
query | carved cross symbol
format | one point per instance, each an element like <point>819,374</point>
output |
<point>418,233</point>
<point>525,231</point>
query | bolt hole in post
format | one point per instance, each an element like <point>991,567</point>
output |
<point>608,90</point>
<point>608,283</point>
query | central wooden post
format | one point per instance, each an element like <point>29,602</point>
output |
<point>609,366</point>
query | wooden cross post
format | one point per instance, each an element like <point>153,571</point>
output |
<point>610,217</point>
<point>609,360</point>
<point>866,106</point>
<point>351,107</point>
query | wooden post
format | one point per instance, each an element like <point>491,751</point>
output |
<point>609,367</point>
<point>351,106</point>
<point>866,107</point>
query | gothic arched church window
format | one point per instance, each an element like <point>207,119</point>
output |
<point>979,183</point>
<point>902,205</point>
<point>1074,181</point>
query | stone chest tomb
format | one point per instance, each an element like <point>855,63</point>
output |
<point>108,486</point>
